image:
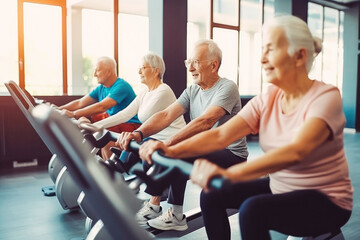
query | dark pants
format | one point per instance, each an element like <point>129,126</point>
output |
<point>223,158</point>
<point>298,213</point>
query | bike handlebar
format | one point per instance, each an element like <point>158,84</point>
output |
<point>172,164</point>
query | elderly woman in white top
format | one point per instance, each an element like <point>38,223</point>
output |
<point>157,97</point>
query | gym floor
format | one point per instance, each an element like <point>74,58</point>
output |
<point>25,213</point>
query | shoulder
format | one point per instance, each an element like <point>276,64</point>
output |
<point>164,87</point>
<point>267,98</point>
<point>121,82</point>
<point>121,85</point>
<point>228,86</point>
<point>165,91</point>
<point>323,88</point>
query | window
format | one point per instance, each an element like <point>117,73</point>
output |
<point>33,50</point>
<point>250,47</point>
<point>327,24</point>
<point>198,25</point>
<point>43,49</point>
<point>237,30</point>
<point>9,66</point>
<point>133,35</point>
<point>97,41</point>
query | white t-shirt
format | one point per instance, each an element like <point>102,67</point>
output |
<point>145,105</point>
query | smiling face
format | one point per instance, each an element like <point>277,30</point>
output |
<point>276,62</point>
<point>147,73</point>
<point>102,73</point>
<point>202,70</point>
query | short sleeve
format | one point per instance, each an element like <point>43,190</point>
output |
<point>251,114</point>
<point>95,93</point>
<point>184,99</point>
<point>328,107</point>
<point>120,92</point>
<point>227,96</point>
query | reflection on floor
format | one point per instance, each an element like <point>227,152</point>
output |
<point>25,213</point>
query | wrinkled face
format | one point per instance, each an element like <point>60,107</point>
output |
<point>276,62</point>
<point>102,73</point>
<point>146,73</point>
<point>199,64</point>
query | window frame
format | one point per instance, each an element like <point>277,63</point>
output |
<point>21,57</point>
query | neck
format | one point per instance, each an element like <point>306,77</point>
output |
<point>111,80</point>
<point>297,88</point>
<point>210,82</point>
<point>154,84</point>
<point>294,91</point>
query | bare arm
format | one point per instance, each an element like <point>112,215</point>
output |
<point>202,143</point>
<point>153,125</point>
<point>200,124</point>
<point>90,107</point>
<point>98,107</point>
<point>78,103</point>
<point>161,119</point>
<point>314,133</point>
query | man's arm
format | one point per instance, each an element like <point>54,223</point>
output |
<point>211,115</point>
<point>78,103</point>
<point>95,108</point>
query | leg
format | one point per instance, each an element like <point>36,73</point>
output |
<point>105,151</point>
<point>297,213</point>
<point>223,158</point>
<point>123,127</point>
<point>214,205</point>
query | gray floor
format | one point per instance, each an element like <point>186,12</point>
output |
<point>25,213</point>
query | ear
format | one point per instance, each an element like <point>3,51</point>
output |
<point>214,65</point>
<point>300,57</point>
<point>157,71</point>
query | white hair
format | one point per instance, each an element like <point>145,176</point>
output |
<point>299,36</point>
<point>155,61</point>
<point>214,50</point>
<point>108,62</point>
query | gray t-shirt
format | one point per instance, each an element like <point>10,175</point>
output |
<point>224,94</point>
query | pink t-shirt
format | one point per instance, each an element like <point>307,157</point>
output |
<point>326,168</point>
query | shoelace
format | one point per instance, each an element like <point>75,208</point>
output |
<point>167,216</point>
<point>145,208</point>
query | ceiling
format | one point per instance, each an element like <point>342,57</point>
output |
<point>140,6</point>
<point>343,1</point>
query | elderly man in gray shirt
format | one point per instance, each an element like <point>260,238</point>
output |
<point>210,101</point>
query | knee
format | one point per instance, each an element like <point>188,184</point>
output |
<point>249,209</point>
<point>210,199</point>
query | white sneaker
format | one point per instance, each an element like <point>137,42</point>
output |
<point>168,221</point>
<point>146,213</point>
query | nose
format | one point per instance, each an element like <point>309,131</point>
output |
<point>191,67</point>
<point>264,58</point>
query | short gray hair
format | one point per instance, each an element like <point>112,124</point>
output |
<point>299,36</point>
<point>214,50</point>
<point>108,62</point>
<point>155,61</point>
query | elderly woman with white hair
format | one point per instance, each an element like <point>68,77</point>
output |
<point>300,186</point>
<point>155,98</point>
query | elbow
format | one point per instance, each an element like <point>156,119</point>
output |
<point>298,154</point>
<point>102,109</point>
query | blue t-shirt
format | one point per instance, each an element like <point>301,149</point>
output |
<point>121,92</point>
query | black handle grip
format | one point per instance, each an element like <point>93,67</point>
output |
<point>172,164</point>
<point>98,143</point>
<point>219,182</point>
<point>134,146</point>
